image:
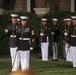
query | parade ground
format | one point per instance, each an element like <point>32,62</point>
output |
<point>40,67</point>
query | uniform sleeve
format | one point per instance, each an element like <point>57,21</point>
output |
<point>32,37</point>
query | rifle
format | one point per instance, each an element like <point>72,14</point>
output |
<point>65,31</point>
<point>52,33</point>
<point>40,34</point>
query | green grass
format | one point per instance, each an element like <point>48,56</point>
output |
<point>42,68</point>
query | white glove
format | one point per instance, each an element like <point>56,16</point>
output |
<point>41,34</point>
<point>31,48</point>
<point>66,34</point>
<point>6,30</point>
<point>52,33</point>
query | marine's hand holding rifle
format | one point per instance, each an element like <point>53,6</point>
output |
<point>41,34</point>
<point>31,48</point>
<point>65,38</point>
<point>52,33</point>
<point>65,34</point>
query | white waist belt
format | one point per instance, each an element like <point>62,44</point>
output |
<point>73,35</point>
<point>12,35</point>
<point>24,38</point>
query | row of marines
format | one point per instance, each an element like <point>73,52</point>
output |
<point>69,39</point>
<point>22,40</point>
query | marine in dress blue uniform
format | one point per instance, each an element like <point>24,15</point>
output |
<point>55,33</point>
<point>66,39</point>
<point>44,34</point>
<point>11,31</point>
<point>72,40</point>
<point>25,39</point>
